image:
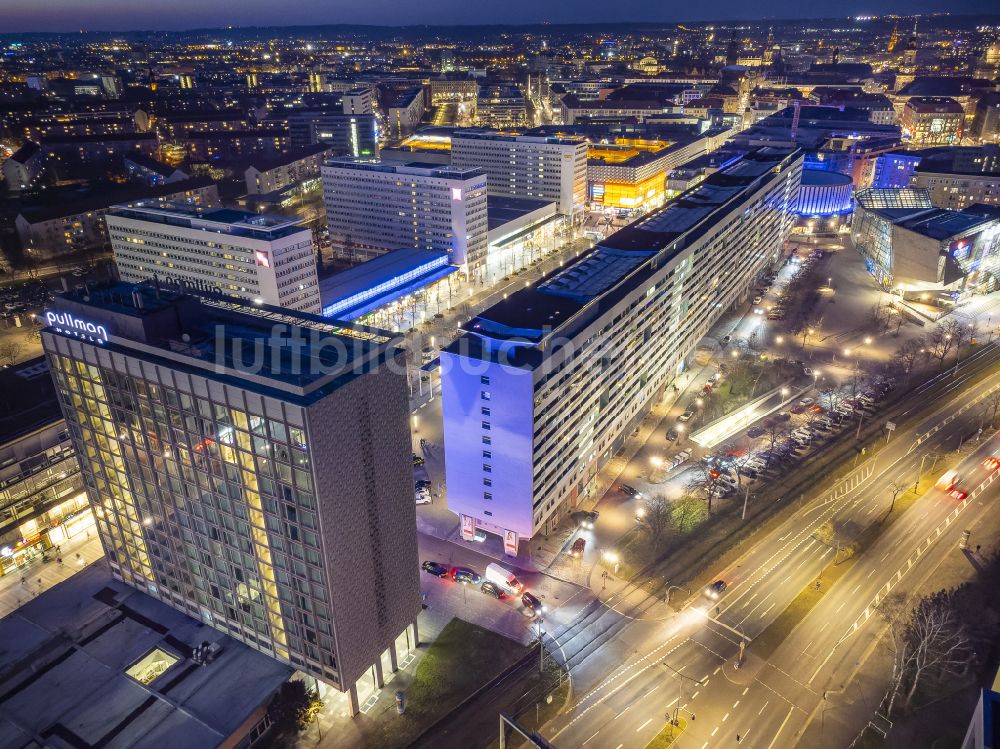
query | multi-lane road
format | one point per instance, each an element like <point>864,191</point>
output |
<point>631,668</point>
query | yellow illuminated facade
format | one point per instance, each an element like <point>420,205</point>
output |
<point>627,174</point>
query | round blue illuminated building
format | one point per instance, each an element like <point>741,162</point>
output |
<point>824,194</point>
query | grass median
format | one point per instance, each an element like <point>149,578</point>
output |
<point>668,735</point>
<point>849,552</point>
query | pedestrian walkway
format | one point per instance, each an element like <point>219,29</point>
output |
<point>39,576</point>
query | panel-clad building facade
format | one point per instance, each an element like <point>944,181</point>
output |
<point>542,388</point>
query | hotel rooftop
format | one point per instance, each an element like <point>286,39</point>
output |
<point>225,338</point>
<point>93,662</point>
<point>572,296</point>
<point>221,220</point>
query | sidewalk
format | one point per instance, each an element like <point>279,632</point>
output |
<point>40,576</point>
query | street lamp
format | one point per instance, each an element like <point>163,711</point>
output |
<point>784,392</point>
<point>779,340</point>
<point>868,340</point>
<point>656,461</point>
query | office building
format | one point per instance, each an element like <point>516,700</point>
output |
<point>296,167</point>
<point>986,121</point>
<point>346,134</point>
<point>72,223</point>
<point>501,106</point>
<point>542,389</point>
<point>404,112</point>
<point>927,253</point>
<point>257,257</point>
<point>960,176</point>
<point>374,207</point>
<point>248,466</point>
<point>526,166</point>
<point>359,101</point>
<point>42,502</point>
<point>22,170</point>
<point>932,120</point>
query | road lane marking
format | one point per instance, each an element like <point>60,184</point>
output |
<point>595,733</point>
<point>725,717</point>
<point>745,691</point>
<point>736,704</point>
<point>695,694</point>
<point>627,708</point>
<point>643,725</point>
<point>704,745</point>
<point>766,703</point>
<point>775,739</point>
<point>716,670</point>
<point>715,731</point>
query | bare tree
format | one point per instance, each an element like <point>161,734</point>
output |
<point>927,641</point>
<point>9,352</point>
<point>992,406</point>
<point>881,315</point>
<point>656,518</point>
<point>939,342</point>
<point>703,483</point>
<point>774,431</point>
<point>906,355</point>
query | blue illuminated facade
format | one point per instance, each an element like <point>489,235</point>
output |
<point>895,170</point>
<point>824,193</point>
<point>364,288</point>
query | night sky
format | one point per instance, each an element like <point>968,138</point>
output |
<point>123,15</point>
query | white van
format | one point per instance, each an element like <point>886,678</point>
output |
<point>504,578</point>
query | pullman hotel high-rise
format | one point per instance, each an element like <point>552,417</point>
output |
<point>262,487</point>
<point>541,389</point>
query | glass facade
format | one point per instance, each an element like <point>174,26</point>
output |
<point>205,505</point>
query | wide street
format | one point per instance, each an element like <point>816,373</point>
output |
<point>637,670</point>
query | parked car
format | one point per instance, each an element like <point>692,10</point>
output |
<point>436,569</point>
<point>672,434</point>
<point>630,490</point>
<point>465,575</point>
<point>686,416</point>
<point>754,432</point>
<point>492,590</point>
<point>578,546</point>
<point>532,604</point>
<point>422,484</point>
<point>422,497</point>
<point>797,409</point>
<point>749,471</point>
<point>417,460</point>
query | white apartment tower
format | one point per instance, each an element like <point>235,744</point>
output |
<point>374,207</point>
<point>261,258</point>
<point>541,389</point>
<point>526,166</point>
